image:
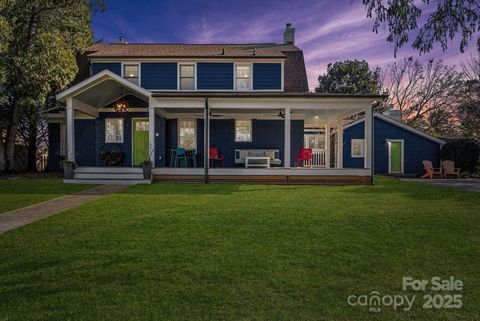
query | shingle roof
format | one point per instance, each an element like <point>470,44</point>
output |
<point>190,50</point>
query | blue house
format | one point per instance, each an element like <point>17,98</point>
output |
<point>398,148</point>
<point>205,112</point>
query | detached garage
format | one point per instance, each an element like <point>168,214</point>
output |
<point>398,148</point>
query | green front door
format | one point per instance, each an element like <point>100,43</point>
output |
<point>140,141</point>
<point>395,157</point>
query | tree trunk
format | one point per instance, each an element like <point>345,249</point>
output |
<point>3,164</point>
<point>10,146</point>
<point>32,147</point>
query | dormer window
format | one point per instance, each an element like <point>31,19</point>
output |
<point>187,76</point>
<point>243,77</point>
<point>130,73</point>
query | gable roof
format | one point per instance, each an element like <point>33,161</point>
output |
<point>268,50</point>
<point>400,124</point>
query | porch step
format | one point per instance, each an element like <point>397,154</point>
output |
<point>108,181</point>
<point>108,175</point>
<point>98,175</point>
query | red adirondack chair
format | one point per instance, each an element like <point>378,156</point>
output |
<point>214,155</point>
<point>305,155</point>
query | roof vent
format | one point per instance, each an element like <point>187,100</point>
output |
<point>254,51</point>
<point>289,34</point>
<point>122,40</point>
<point>224,52</point>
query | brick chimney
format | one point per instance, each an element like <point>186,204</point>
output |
<point>289,35</point>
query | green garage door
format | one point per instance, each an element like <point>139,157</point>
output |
<point>140,141</point>
<point>396,157</point>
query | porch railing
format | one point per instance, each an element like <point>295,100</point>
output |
<point>318,158</point>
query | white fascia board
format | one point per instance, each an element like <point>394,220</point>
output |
<point>96,79</point>
<point>401,125</point>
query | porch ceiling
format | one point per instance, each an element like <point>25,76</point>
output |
<point>311,116</point>
<point>102,89</point>
<point>105,93</point>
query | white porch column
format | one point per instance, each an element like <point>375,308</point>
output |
<point>286,150</point>
<point>70,126</point>
<point>368,138</point>
<point>151,132</point>
<point>327,145</point>
<point>340,143</point>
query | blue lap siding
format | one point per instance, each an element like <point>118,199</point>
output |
<point>416,147</point>
<point>213,75</point>
<point>159,75</point>
<point>54,156</point>
<point>267,76</point>
<point>114,67</point>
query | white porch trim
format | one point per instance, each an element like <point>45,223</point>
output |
<point>95,80</point>
<point>287,139</point>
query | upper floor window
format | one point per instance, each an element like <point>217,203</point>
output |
<point>130,72</point>
<point>187,77</point>
<point>113,130</point>
<point>243,77</point>
<point>243,130</point>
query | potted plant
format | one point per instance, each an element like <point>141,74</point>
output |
<point>147,169</point>
<point>68,168</point>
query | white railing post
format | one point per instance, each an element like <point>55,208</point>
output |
<point>70,126</point>
<point>286,155</point>
<point>368,138</point>
<point>151,131</point>
<point>327,145</point>
<point>340,143</point>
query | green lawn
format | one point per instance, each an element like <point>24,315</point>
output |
<point>243,252</point>
<point>16,193</point>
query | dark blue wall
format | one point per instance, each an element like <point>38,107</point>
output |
<point>54,157</point>
<point>266,134</point>
<point>159,75</point>
<point>416,148</point>
<point>126,146</point>
<point>267,76</point>
<point>213,75</point>
<point>85,141</point>
<point>114,67</point>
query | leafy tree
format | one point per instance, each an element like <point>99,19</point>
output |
<point>468,112</point>
<point>435,21</point>
<point>37,54</point>
<point>464,152</point>
<point>349,77</point>
<point>426,94</point>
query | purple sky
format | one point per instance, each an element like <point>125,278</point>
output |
<point>327,31</point>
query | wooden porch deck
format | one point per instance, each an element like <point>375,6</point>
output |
<point>265,176</point>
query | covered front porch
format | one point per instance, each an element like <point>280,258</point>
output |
<point>226,137</point>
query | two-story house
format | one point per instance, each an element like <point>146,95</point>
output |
<point>205,112</point>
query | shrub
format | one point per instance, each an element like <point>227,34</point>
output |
<point>464,152</point>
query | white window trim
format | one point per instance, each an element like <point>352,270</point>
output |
<point>194,75</point>
<point>390,153</point>
<point>235,75</point>
<point>251,131</point>
<point>123,131</point>
<point>194,128</point>
<point>123,63</point>
<point>363,149</point>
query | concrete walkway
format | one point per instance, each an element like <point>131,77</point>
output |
<point>23,216</point>
<point>469,184</point>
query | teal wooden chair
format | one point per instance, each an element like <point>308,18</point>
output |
<point>180,157</point>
